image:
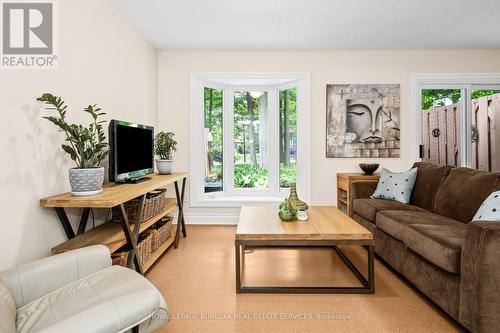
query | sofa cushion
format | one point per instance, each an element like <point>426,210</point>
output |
<point>463,192</point>
<point>490,208</point>
<point>107,301</point>
<point>429,179</point>
<point>393,222</point>
<point>395,186</point>
<point>435,237</point>
<point>368,208</point>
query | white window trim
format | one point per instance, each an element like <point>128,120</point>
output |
<point>200,80</point>
<point>421,81</point>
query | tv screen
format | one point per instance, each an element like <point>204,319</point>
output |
<point>131,154</point>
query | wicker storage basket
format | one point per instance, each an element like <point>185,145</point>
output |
<point>154,234</point>
<point>120,258</point>
<point>153,205</point>
<point>144,247</point>
<point>162,232</point>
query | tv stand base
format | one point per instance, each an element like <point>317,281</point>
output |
<point>134,180</point>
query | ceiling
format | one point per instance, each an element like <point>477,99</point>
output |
<point>316,24</point>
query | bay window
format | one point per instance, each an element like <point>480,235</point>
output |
<point>250,137</point>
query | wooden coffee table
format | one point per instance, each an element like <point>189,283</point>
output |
<point>260,226</point>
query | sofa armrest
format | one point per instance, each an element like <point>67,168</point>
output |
<point>36,279</point>
<point>362,189</point>
<point>480,277</point>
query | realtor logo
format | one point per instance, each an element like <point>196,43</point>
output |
<point>28,34</point>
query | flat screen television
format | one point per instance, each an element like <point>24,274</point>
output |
<point>131,154</point>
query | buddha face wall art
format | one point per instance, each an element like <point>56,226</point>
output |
<point>362,120</point>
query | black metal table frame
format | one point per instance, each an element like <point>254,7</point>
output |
<point>131,238</point>
<point>368,284</point>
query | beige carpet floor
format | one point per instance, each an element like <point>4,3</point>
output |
<point>198,282</point>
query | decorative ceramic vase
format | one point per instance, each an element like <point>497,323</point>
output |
<point>86,181</point>
<point>294,199</point>
<point>287,212</point>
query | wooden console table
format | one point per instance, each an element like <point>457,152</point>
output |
<point>344,184</point>
<point>115,235</point>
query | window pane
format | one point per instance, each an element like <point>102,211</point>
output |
<point>288,137</point>
<point>441,111</point>
<point>250,140</point>
<point>213,140</point>
<point>485,137</point>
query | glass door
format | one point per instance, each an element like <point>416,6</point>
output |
<point>460,126</point>
<point>485,128</point>
<point>441,122</point>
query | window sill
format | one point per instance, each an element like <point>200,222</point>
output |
<point>236,200</point>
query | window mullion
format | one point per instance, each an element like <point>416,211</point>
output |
<point>273,141</point>
<point>228,141</point>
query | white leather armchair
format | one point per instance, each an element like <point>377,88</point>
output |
<point>79,292</point>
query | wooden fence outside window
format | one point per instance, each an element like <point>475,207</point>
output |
<point>441,132</point>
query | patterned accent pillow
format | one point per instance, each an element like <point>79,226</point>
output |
<point>395,186</point>
<point>490,208</point>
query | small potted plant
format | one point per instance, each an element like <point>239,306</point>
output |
<point>164,146</point>
<point>86,145</point>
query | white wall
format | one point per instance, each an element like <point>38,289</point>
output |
<point>325,67</point>
<point>103,60</point>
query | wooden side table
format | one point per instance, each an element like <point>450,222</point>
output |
<point>344,184</point>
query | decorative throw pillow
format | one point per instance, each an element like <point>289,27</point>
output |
<point>490,208</point>
<point>395,186</point>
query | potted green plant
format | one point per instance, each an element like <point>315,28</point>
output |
<point>164,146</point>
<point>86,145</point>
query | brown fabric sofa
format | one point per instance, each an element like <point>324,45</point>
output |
<point>434,243</point>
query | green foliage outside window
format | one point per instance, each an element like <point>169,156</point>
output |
<point>432,98</point>
<point>246,173</point>
<point>249,176</point>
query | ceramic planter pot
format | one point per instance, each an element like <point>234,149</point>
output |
<point>164,166</point>
<point>86,181</point>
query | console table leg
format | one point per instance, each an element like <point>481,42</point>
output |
<point>137,224</point>
<point>131,240</point>
<point>184,233</point>
<point>181,226</point>
<point>83,221</point>
<point>61,214</point>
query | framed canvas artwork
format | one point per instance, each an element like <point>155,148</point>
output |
<point>362,120</point>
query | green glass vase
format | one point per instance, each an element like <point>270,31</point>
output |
<point>287,212</point>
<point>294,199</point>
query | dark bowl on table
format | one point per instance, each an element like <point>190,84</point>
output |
<point>368,168</point>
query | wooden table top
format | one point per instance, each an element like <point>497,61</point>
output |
<point>325,223</point>
<point>358,176</point>
<point>113,194</point>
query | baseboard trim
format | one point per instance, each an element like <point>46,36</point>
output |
<point>214,219</point>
